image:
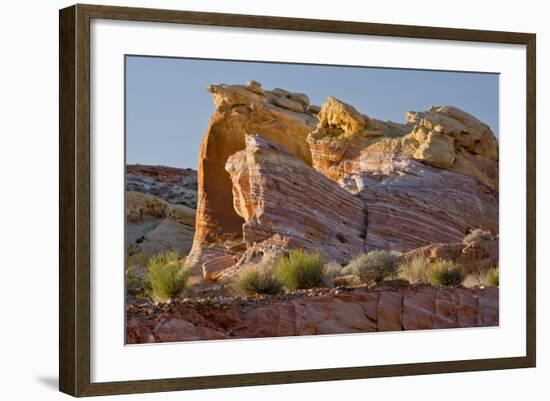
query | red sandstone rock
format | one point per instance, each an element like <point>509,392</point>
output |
<point>181,330</point>
<point>212,269</point>
<point>277,194</point>
<point>428,181</point>
<point>474,257</point>
<point>240,110</point>
<point>138,333</point>
<point>360,310</point>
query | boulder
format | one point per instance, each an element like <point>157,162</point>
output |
<point>213,269</point>
<point>289,104</point>
<point>313,109</point>
<point>255,86</point>
<point>301,98</point>
<point>475,256</point>
<point>280,92</point>
<point>337,114</point>
<point>468,131</point>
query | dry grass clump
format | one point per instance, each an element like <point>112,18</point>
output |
<point>445,273</point>
<point>331,271</point>
<point>259,279</point>
<point>300,269</point>
<point>167,276</point>
<point>493,277</point>
<point>414,270</point>
<point>375,266</point>
<point>487,278</point>
<point>477,235</point>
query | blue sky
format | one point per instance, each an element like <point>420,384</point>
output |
<point>168,107</point>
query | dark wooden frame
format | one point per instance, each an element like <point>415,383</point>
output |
<point>74,199</point>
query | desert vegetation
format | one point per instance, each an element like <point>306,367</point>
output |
<point>477,235</point>
<point>447,273</point>
<point>300,269</point>
<point>259,280</point>
<point>375,266</point>
<point>167,276</point>
<point>414,270</point>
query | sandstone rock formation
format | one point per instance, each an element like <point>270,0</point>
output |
<point>428,181</point>
<point>240,110</point>
<point>278,194</point>
<point>382,309</point>
<point>421,183</point>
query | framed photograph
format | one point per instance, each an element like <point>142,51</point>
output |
<point>250,200</point>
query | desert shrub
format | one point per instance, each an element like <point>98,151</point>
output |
<point>477,235</point>
<point>374,266</point>
<point>493,277</point>
<point>414,270</point>
<point>445,273</point>
<point>259,279</point>
<point>331,270</point>
<point>300,269</point>
<point>475,280</point>
<point>487,278</point>
<point>167,276</point>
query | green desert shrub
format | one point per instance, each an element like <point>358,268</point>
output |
<point>493,277</point>
<point>259,280</point>
<point>445,273</point>
<point>167,276</point>
<point>477,235</point>
<point>414,270</point>
<point>331,270</point>
<point>375,266</point>
<point>300,269</point>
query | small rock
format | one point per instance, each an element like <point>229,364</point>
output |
<point>288,104</point>
<point>280,92</point>
<point>255,86</point>
<point>301,98</point>
<point>313,109</point>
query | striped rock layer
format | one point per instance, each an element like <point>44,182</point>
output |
<point>359,311</point>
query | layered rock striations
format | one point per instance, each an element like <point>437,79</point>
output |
<point>421,184</point>
<point>278,194</point>
<point>240,110</point>
<point>274,169</point>
<point>381,309</point>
